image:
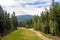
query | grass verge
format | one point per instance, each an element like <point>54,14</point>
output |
<point>21,34</point>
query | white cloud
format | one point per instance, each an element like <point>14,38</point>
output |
<point>20,9</point>
<point>6,2</point>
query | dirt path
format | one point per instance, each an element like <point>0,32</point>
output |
<point>40,35</point>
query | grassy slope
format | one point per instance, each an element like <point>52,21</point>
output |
<point>21,34</point>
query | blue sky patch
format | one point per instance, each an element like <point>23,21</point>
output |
<point>36,3</point>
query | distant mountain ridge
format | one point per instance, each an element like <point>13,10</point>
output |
<point>24,17</point>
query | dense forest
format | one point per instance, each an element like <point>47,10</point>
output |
<point>7,23</point>
<point>48,22</point>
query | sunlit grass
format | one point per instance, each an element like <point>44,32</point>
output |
<point>21,34</point>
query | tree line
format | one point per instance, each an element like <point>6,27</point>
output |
<point>7,23</point>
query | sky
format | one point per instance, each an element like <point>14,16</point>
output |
<point>26,7</point>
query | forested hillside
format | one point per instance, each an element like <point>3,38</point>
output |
<point>24,17</point>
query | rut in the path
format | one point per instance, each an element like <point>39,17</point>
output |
<point>40,35</point>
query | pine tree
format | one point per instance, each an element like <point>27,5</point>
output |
<point>47,28</point>
<point>14,20</point>
<point>1,27</point>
